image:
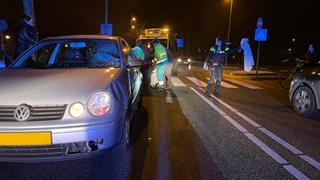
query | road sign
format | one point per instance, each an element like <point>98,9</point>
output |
<point>261,35</point>
<point>106,29</point>
<point>259,23</point>
<point>3,25</point>
<point>180,43</point>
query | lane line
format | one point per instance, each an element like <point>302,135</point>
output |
<point>226,85</point>
<point>285,144</point>
<point>291,169</point>
<point>177,82</point>
<point>266,149</point>
<point>244,84</point>
<point>294,171</point>
<point>281,141</point>
<point>311,161</point>
<point>236,111</point>
<point>222,113</point>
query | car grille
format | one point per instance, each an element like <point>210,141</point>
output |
<point>38,113</point>
<point>32,151</point>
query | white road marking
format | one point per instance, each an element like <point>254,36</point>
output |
<point>226,85</point>
<point>268,133</point>
<point>310,161</point>
<point>197,81</point>
<point>237,112</point>
<point>222,113</point>
<point>291,169</point>
<point>281,141</point>
<point>176,82</point>
<point>294,171</point>
<point>266,149</point>
<point>244,84</point>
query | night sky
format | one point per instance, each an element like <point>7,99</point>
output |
<point>198,20</point>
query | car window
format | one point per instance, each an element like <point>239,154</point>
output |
<point>72,54</point>
<point>127,51</point>
<point>40,58</point>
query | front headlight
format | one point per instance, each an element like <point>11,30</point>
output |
<point>76,110</point>
<point>99,103</point>
<point>189,60</point>
<point>179,60</point>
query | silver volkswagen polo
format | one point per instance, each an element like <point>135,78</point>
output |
<point>69,97</point>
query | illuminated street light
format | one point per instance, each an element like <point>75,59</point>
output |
<point>230,15</point>
<point>133,19</point>
<point>7,37</point>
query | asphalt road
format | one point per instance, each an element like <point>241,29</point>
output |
<point>248,133</point>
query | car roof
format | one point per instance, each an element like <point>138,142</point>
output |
<point>82,37</point>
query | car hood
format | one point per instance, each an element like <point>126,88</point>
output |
<point>59,86</point>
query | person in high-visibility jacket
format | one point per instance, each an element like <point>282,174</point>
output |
<point>138,51</point>
<point>161,61</point>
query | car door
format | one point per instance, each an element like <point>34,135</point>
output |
<point>134,74</point>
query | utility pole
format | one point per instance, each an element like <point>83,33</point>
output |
<point>106,13</point>
<point>230,15</point>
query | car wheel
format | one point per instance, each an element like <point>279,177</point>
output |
<point>304,102</point>
<point>125,139</point>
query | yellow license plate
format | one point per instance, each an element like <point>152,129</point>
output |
<point>25,139</point>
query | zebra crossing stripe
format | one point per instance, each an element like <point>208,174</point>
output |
<point>197,81</point>
<point>244,84</point>
<point>226,85</point>
<point>176,82</point>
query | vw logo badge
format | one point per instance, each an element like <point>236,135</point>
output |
<point>22,112</point>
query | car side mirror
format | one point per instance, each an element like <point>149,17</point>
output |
<point>135,63</point>
<point>2,64</point>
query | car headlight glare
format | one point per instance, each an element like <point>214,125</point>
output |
<point>179,60</point>
<point>99,103</point>
<point>76,110</point>
<point>189,60</point>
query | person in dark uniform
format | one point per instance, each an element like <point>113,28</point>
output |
<point>214,61</point>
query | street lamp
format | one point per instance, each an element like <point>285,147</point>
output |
<point>230,15</point>
<point>131,28</point>
<point>7,39</point>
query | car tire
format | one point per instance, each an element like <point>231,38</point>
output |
<point>125,139</point>
<point>303,102</point>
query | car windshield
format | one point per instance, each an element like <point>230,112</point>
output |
<point>71,54</point>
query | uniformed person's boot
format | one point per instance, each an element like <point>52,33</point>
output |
<point>207,91</point>
<point>216,89</point>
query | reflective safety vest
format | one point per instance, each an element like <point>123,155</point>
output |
<point>139,53</point>
<point>160,53</point>
<point>217,55</point>
<point>218,50</point>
